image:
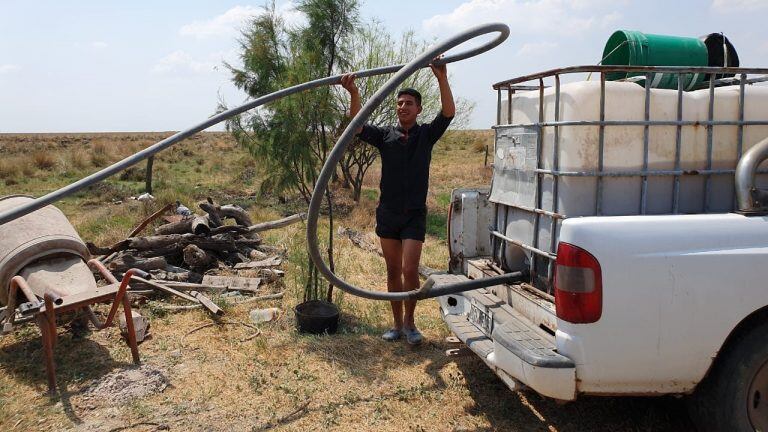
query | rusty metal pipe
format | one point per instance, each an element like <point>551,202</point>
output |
<point>121,293</point>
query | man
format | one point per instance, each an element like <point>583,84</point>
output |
<point>406,151</point>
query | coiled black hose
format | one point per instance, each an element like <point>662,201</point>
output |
<point>402,72</point>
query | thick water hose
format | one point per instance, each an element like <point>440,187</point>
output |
<point>403,71</point>
<point>337,152</point>
<point>98,176</point>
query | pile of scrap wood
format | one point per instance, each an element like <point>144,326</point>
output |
<point>199,252</point>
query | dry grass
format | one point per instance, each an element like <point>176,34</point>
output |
<point>43,160</point>
<point>349,382</point>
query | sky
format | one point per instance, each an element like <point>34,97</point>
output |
<point>108,66</point>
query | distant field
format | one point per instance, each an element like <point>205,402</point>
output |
<point>351,381</point>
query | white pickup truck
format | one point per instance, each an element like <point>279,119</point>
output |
<point>646,246</point>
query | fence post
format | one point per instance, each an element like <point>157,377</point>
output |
<point>150,162</point>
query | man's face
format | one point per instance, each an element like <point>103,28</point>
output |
<point>407,109</point>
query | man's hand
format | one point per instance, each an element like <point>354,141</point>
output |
<point>441,72</point>
<point>348,82</point>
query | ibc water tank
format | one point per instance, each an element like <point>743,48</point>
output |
<point>517,150</point>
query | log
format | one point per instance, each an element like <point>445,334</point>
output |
<point>127,261</point>
<point>196,257</point>
<point>213,213</point>
<point>237,213</point>
<point>177,242</point>
<point>200,225</point>
<point>181,227</point>
<point>207,303</point>
<point>264,226</point>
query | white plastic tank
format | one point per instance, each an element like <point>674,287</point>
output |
<point>516,151</point>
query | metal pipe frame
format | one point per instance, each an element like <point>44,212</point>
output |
<point>634,69</point>
<point>746,191</point>
<point>741,78</point>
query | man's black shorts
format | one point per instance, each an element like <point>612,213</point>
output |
<point>401,225</point>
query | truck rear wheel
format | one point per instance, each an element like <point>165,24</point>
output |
<point>734,396</point>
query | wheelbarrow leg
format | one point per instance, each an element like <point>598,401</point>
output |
<point>131,329</point>
<point>50,365</point>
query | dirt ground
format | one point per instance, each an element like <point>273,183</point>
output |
<point>222,378</point>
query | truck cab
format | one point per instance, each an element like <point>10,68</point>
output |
<point>639,217</point>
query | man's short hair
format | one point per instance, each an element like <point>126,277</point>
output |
<point>410,92</point>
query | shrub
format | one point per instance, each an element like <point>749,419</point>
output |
<point>43,160</point>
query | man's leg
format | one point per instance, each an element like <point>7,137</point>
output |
<point>411,258</point>
<point>393,256</point>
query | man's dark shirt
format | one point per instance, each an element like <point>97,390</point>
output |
<point>405,158</point>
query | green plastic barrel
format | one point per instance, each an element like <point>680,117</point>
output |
<point>633,48</point>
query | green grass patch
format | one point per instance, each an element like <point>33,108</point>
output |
<point>436,225</point>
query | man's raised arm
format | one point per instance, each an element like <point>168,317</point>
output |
<point>348,82</point>
<point>446,97</point>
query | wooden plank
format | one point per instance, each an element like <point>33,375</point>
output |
<point>233,283</point>
<point>164,288</point>
<point>207,303</point>
<point>269,262</point>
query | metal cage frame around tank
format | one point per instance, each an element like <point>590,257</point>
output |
<point>732,76</point>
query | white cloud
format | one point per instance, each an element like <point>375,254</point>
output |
<point>99,45</point>
<point>230,22</point>
<point>181,62</point>
<point>610,20</point>
<point>539,48</point>
<point>535,17</point>
<point>8,68</point>
<point>736,6</point>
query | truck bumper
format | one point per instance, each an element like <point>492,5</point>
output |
<point>516,350</point>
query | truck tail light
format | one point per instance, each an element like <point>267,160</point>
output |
<point>578,285</point>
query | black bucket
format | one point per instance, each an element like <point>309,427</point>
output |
<point>317,317</point>
<point>720,52</point>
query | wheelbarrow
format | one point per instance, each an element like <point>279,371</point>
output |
<point>46,274</point>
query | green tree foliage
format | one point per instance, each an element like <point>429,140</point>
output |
<point>293,136</point>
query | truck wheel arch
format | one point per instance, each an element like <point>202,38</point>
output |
<point>752,320</point>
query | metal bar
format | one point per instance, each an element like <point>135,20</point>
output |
<point>600,149</point>
<point>535,210</point>
<point>555,182</point>
<point>639,173</point>
<point>510,92</point>
<point>740,131</point>
<point>638,123</point>
<point>710,117</point>
<point>503,260</point>
<point>498,106</point>
<point>646,135</point>
<point>494,242</point>
<point>537,199</point>
<point>524,246</point>
<point>640,69</point>
<point>678,144</point>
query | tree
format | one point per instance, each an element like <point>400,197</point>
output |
<point>293,136</point>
